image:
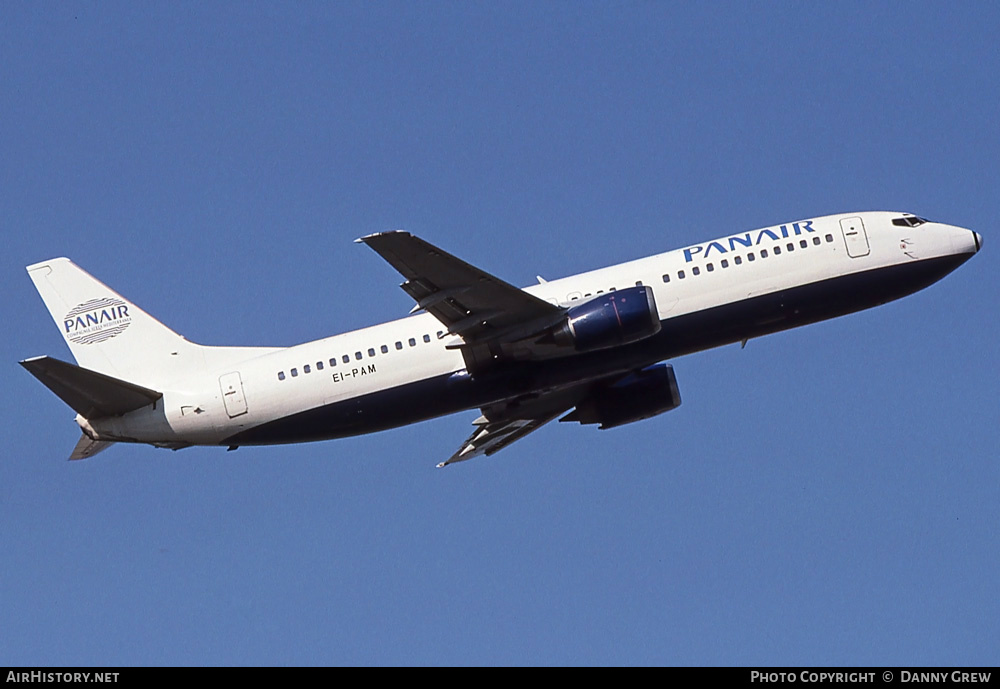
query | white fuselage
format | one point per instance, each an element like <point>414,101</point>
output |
<point>238,395</point>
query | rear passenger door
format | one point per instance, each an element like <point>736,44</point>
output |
<point>232,394</point>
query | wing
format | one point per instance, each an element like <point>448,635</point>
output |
<point>503,423</point>
<point>490,437</point>
<point>471,303</point>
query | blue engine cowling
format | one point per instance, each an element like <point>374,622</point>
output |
<point>609,320</point>
<point>637,396</point>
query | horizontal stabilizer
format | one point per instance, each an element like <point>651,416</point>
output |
<point>88,448</point>
<point>90,394</point>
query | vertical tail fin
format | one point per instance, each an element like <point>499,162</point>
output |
<point>104,331</point>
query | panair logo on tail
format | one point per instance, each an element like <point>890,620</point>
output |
<point>96,321</point>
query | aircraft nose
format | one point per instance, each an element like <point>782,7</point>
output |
<point>964,240</point>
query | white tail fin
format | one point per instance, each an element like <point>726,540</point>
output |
<point>109,334</point>
<point>105,332</point>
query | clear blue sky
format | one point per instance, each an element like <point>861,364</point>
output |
<point>829,495</point>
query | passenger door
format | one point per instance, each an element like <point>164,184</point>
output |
<point>232,394</point>
<point>855,237</point>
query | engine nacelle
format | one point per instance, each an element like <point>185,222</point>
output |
<point>609,320</point>
<point>638,396</point>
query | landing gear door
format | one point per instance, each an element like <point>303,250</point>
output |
<point>855,237</point>
<point>232,394</point>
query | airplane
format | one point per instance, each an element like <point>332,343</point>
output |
<point>591,348</point>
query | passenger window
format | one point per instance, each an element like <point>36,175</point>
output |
<point>725,263</point>
<point>295,372</point>
<point>307,368</point>
<point>371,351</point>
<point>319,365</point>
<point>709,267</point>
<point>680,274</point>
<point>399,345</point>
<point>333,361</point>
<point>412,342</point>
<point>638,283</point>
<point>803,243</point>
<point>358,356</point>
<point>346,358</point>
<point>763,254</point>
<point>777,251</point>
<point>750,256</point>
<point>790,246</point>
<point>385,349</point>
<point>281,375</point>
<point>587,294</point>
<point>427,338</point>
<point>816,241</point>
<point>666,278</point>
<point>696,271</point>
<point>738,260</point>
<point>829,238</point>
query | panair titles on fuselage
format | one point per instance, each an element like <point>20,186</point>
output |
<point>747,240</point>
<point>96,321</point>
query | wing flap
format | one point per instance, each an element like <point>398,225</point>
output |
<point>89,393</point>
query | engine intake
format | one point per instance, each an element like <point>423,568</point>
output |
<point>609,320</point>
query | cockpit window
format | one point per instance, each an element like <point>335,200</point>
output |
<point>908,221</point>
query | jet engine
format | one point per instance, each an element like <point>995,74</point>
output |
<point>640,395</point>
<point>609,320</point>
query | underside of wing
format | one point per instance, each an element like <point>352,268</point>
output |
<point>503,423</point>
<point>471,303</point>
<point>489,438</point>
